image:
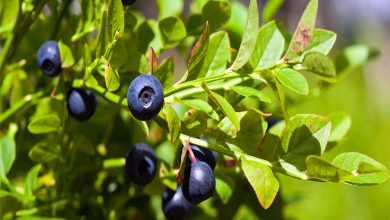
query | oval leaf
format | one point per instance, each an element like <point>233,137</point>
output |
<point>366,170</point>
<point>225,106</point>
<point>201,106</point>
<point>319,169</point>
<point>44,124</point>
<point>304,32</point>
<point>224,186</point>
<point>305,135</point>
<point>7,152</point>
<point>249,37</point>
<point>115,19</point>
<point>67,59</point>
<point>320,65</point>
<point>217,56</point>
<point>44,152</point>
<point>198,54</point>
<point>293,80</point>
<point>165,72</point>
<point>251,92</point>
<point>269,46</point>
<point>111,77</point>
<point>262,180</point>
<point>173,120</point>
<point>217,13</point>
<point>341,123</point>
<point>172,30</point>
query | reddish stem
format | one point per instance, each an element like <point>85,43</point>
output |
<point>192,155</point>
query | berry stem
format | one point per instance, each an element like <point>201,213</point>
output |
<point>189,150</point>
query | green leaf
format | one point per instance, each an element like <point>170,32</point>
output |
<point>153,62</point>
<point>201,106</point>
<point>262,180</point>
<point>44,124</point>
<point>198,54</point>
<point>217,13</point>
<point>35,217</point>
<point>341,123</point>
<point>224,186</point>
<point>31,183</point>
<point>250,135</point>
<point>305,135</point>
<point>9,13</point>
<point>111,77</point>
<point>319,169</point>
<point>172,30</point>
<point>168,8</point>
<point>103,38</point>
<point>173,120</point>
<point>366,170</point>
<point>353,57</point>
<point>248,38</point>
<point>320,65</point>
<point>148,35</point>
<point>269,46</point>
<point>115,22</point>
<point>44,152</point>
<point>270,9</point>
<point>293,80</point>
<point>119,55</point>
<point>251,92</point>
<point>67,59</point>
<point>322,42</point>
<point>303,32</point>
<point>165,72</point>
<point>4,193</point>
<point>7,151</point>
<point>225,106</point>
<point>217,55</point>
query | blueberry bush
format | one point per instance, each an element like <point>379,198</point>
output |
<point>96,122</point>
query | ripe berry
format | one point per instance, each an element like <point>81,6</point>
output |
<point>145,97</point>
<point>198,182</point>
<point>128,2</point>
<point>49,59</point>
<point>141,164</point>
<point>174,204</point>
<point>203,154</point>
<point>81,104</point>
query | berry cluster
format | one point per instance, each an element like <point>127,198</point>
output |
<point>197,186</point>
<point>81,104</point>
<point>145,96</point>
<point>145,99</point>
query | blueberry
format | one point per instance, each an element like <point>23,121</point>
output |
<point>175,206</point>
<point>81,104</point>
<point>203,154</point>
<point>49,59</point>
<point>128,2</point>
<point>198,182</point>
<point>272,121</point>
<point>141,164</point>
<point>145,97</point>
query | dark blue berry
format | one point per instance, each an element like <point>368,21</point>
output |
<point>272,121</point>
<point>128,2</point>
<point>145,97</point>
<point>81,104</point>
<point>203,154</point>
<point>141,164</point>
<point>175,206</point>
<point>49,58</point>
<point>198,182</point>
